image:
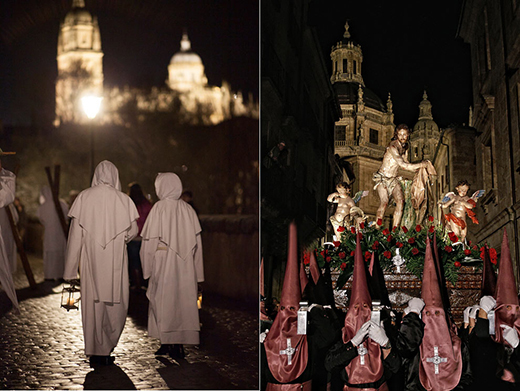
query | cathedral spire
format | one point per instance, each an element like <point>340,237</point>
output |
<point>425,108</point>
<point>389,104</point>
<point>185,42</point>
<point>346,34</point>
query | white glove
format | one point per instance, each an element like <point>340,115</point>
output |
<point>510,335</point>
<point>263,335</point>
<point>415,305</point>
<point>487,303</point>
<point>466,314</point>
<point>473,311</point>
<point>361,334</point>
<point>377,333</point>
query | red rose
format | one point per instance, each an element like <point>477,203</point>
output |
<point>395,227</point>
<point>387,254</point>
<point>399,244</point>
<point>431,229</point>
<point>415,251</point>
<point>362,225</point>
<point>343,266</point>
<point>405,230</point>
<point>322,253</point>
<point>306,260</point>
<point>342,255</point>
<point>454,238</point>
<point>482,250</point>
<point>328,259</point>
<point>368,255</point>
<point>448,249</point>
<point>411,240</point>
<point>430,218</point>
<point>474,247</point>
<point>379,222</point>
<point>493,255</point>
<point>389,238</point>
<point>467,252</point>
<point>375,245</point>
<point>418,228</point>
<point>341,229</point>
<point>353,230</point>
<point>336,243</point>
<point>352,253</point>
<point>386,231</point>
<point>457,264</point>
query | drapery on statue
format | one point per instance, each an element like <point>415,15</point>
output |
<point>388,185</point>
<point>347,212</point>
<point>419,190</point>
<point>460,205</point>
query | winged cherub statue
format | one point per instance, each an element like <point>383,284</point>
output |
<point>347,213</point>
<point>460,205</point>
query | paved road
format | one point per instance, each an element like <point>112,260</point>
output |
<point>42,347</point>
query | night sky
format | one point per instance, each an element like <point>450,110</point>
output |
<point>138,38</point>
<point>408,46</point>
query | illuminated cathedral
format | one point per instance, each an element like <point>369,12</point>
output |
<point>80,73</point>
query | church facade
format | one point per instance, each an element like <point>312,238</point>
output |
<point>366,126</point>
<point>80,73</point>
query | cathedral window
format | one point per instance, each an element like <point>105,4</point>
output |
<point>339,133</point>
<point>374,136</point>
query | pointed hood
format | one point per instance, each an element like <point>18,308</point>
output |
<point>284,329</point>
<point>441,277</point>
<point>441,360</point>
<point>507,310</point>
<point>359,312</point>
<point>489,278</point>
<point>376,282</point>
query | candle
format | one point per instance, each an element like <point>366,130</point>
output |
<point>70,301</point>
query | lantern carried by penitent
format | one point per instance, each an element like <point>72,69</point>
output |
<point>70,296</point>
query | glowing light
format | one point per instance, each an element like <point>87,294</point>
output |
<point>91,105</point>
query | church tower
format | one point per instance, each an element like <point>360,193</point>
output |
<point>366,125</point>
<point>80,63</point>
<point>425,134</point>
<point>186,70</point>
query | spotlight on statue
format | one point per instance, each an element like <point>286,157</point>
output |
<point>70,297</point>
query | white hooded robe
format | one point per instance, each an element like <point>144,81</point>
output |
<point>171,256</point>
<point>54,241</point>
<point>103,220</point>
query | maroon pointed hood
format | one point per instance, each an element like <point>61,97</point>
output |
<point>439,339</point>
<point>507,310</point>
<point>285,325</point>
<point>359,312</point>
<point>489,278</point>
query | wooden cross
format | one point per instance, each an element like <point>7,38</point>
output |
<point>362,351</point>
<point>289,351</point>
<point>55,188</point>
<point>436,359</point>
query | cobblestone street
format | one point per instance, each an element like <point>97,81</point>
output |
<point>42,347</point>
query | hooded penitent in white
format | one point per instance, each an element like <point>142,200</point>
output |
<point>171,256</point>
<point>54,241</point>
<point>7,191</point>
<point>103,220</point>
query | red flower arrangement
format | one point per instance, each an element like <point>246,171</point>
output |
<point>375,245</point>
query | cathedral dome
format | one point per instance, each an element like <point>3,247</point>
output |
<point>347,93</point>
<point>426,122</point>
<point>186,56</point>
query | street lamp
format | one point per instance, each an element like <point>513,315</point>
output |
<point>91,105</point>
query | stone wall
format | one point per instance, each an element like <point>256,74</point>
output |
<point>230,247</point>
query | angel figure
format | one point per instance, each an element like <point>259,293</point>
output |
<point>460,205</point>
<point>346,211</point>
